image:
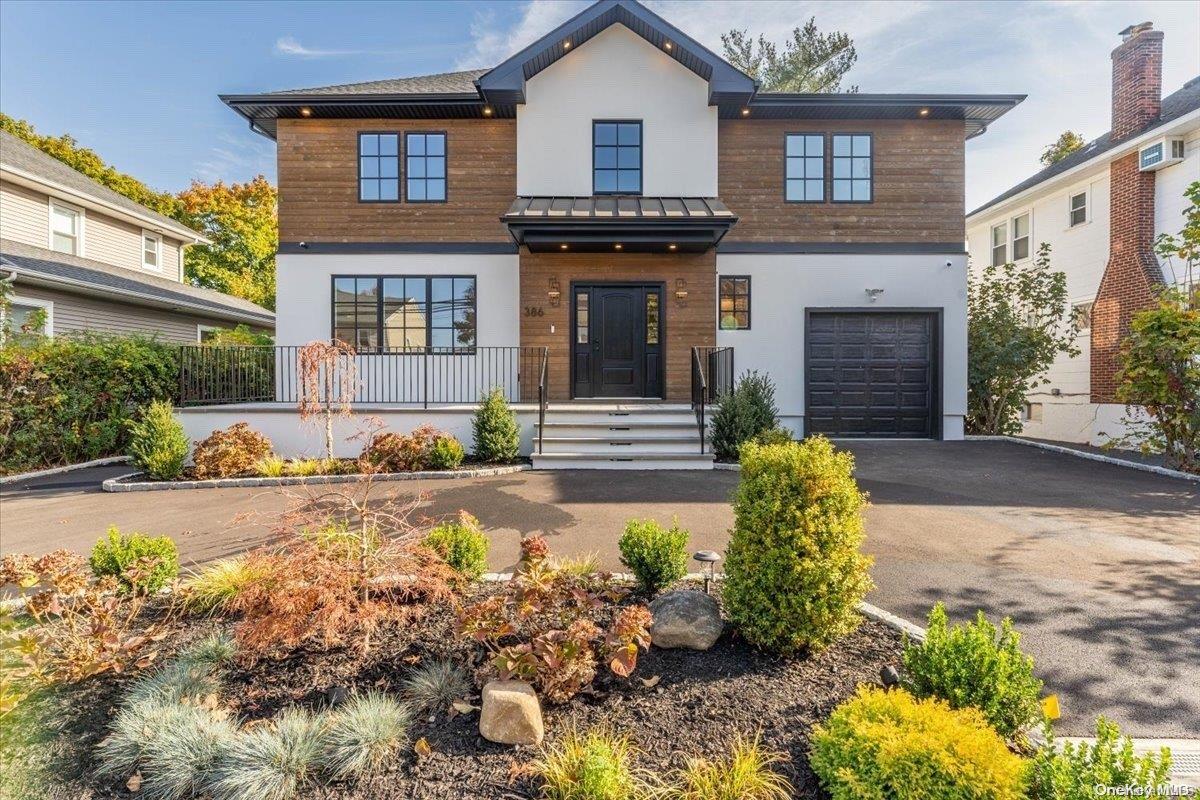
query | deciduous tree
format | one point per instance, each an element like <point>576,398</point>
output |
<point>1068,142</point>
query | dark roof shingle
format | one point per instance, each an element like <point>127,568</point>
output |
<point>440,83</point>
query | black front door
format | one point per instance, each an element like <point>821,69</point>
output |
<point>617,337</point>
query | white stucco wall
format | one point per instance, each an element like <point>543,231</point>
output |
<point>617,75</point>
<point>304,285</point>
<point>783,286</point>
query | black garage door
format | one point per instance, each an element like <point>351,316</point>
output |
<point>871,373</point>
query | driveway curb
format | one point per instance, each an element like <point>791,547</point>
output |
<point>121,483</point>
<point>45,473</point>
<point>1070,451</point>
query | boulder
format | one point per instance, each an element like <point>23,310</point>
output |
<point>685,619</point>
<point>511,713</point>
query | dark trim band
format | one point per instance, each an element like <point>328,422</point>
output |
<point>369,248</point>
<point>844,248</point>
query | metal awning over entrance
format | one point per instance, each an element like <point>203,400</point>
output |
<point>623,223</point>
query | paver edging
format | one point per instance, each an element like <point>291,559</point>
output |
<point>44,473</point>
<point>122,483</point>
<point>726,467</point>
<point>1071,451</point>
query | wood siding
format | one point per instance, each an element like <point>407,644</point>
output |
<point>25,218</point>
<point>73,313</point>
<point>918,195</point>
<point>318,183</point>
<point>686,324</point>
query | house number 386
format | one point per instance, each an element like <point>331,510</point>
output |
<point>534,311</point>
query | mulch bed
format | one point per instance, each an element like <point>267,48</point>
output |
<point>697,706</point>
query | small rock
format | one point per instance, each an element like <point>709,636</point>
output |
<point>685,619</point>
<point>336,695</point>
<point>511,713</point>
<point>889,675</point>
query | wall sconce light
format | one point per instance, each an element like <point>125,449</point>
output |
<point>553,293</point>
<point>873,294</point>
<point>681,291</point>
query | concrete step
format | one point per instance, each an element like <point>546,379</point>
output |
<point>640,459</point>
<point>617,444</point>
<point>618,415</point>
<point>616,428</point>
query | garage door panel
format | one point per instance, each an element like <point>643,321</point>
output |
<point>870,374</point>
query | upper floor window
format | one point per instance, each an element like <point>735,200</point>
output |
<point>852,173</point>
<point>805,169</point>
<point>734,301</point>
<point>410,313</point>
<point>1078,209</point>
<point>617,157</point>
<point>1081,314</point>
<point>999,244</point>
<point>425,167</point>
<point>151,251</point>
<point>1020,237</point>
<point>379,167</point>
<point>66,224</point>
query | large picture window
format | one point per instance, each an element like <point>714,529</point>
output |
<point>379,167</point>
<point>617,157</point>
<point>805,168</point>
<point>852,168</point>
<point>425,167</point>
<point>405,313</point>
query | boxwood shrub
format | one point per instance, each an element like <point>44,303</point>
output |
<point>462,544</point>
<point>117,552</point>
<point>656,556</point>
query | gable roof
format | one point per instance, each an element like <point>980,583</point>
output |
<point>505,83</point>
<point>1174,106</point>
<point>24,159</point>
<point>462,82</point>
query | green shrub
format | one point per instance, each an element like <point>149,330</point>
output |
<point>743,413</point>
<point>305,467</point>
<point>497,434</point>
<point>447,453</point>
<point>882,745</point>
<point>461,544</point>
<point>973,666</point>
<point>1074,772</point>
<point>591,766</point>
<point>214,586</point>
<point>745,775</point>
<point>157,444</point>
<point>399,452</point>
<point>271,466</point>
<point>230,453</point>
<point>69,398</point>
<point>656,556</point>
<point>775,435</point>
<point>363,734</point>
<point>117,552</point>
<point>794,574</point>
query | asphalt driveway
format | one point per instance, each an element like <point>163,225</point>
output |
<point>1099,565</point>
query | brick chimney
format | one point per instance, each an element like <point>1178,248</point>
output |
<point>1132,270</point>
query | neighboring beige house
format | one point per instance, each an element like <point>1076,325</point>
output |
<point>97,261</point>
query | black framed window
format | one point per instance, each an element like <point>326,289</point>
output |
<point>617,157</point>
<point>425,167</point>
<point>852,168</point>
<point>406,313</point>
<point>379,167</point>
<point>804,179</point>
<point>734,299</point>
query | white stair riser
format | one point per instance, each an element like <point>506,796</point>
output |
<point>647,462</point>
<point>674,417</point>
<point>638,430</point>
<point>619,447</point>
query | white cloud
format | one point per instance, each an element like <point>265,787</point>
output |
<point>237,158</point>
<point>491,44</point>
<point>291,46</point>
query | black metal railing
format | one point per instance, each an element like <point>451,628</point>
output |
<point>212,375</point>
<point>712,376</point>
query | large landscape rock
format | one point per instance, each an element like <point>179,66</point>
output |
<point>511,713</point>
<point>685,619</point>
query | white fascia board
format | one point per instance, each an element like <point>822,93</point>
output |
<point>22,178</point>
<point>1178,126</point>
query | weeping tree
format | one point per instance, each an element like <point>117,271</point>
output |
<point>1018,323</point>
<point>328,379</point>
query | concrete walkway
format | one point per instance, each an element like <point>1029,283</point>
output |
<point>1099,565</point>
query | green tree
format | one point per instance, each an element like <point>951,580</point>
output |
<point>1060,148</point>
<point>241,221</point>
<point>1018,322</point>
<point>811,61</point>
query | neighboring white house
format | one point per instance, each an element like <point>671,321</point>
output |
<point>1099,235</point>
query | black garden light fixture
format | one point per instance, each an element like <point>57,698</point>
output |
<point>710,558</point>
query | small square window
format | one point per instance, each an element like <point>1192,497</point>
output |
<point>804,168</point>
<point>733,298</point>
<point>425,160</point>
<point>853,168</point>
<point>379,167</point>
<point>1078,209</point>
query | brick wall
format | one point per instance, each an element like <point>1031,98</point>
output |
<point>1136,83</point>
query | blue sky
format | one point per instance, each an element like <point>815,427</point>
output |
<point>138,82</point>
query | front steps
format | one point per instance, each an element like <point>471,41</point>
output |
<point>620,436</point>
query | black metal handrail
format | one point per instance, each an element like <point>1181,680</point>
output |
<point>712,376</point>
<point>543,397</point>
<point>211,375</point>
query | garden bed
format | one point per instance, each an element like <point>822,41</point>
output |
<point>699,702</point>
<point>139,482</point>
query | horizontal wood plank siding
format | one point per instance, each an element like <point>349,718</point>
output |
<point>318,183</point>
<point>686,324</point>
<point>919,183</point>
<point>74,313</point>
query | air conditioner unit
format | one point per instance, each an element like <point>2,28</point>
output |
<point>1159,154</point>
